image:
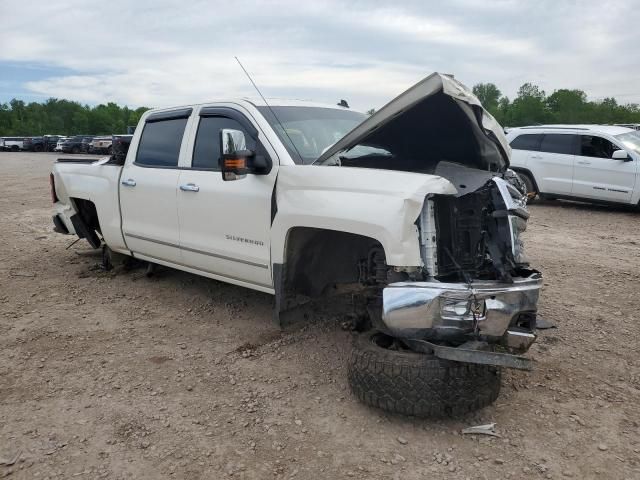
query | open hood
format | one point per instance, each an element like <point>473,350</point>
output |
<point>438,119</point>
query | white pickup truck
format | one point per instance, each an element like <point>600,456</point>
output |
<point>412,211</point>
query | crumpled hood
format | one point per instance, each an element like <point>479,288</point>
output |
<point>491,149</point>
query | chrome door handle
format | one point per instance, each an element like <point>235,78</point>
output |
<point>536,157</point>
<point>584,163</point>
<point>129,182</point>
<point>190,187</point>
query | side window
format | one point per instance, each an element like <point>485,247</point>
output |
<point>559,143</point>
<point>206,151</point>
<point>528,141</point>
<point>591,146</point>
<point>160,143</point>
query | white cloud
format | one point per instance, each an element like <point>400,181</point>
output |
<point>168,52</point>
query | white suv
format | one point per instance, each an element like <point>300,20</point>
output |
<point>599,163</point>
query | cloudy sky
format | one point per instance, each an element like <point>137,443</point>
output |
<point>167,52</point>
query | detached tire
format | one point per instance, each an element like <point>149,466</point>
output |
<point>417,384</point>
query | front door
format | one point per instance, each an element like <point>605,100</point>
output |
<point>148,191</point>
<point>225,225</point>
<point>599,176</point>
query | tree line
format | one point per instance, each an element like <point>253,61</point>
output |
<point>530,106</point>
<point>64,117</point>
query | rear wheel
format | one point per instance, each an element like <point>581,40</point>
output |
<point>532,192</point>
<point>37,148</point>
<point>385,375</point>
<point>75,150</point>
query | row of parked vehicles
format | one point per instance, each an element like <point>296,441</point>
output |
<point>57,143</point>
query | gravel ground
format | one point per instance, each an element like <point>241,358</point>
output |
<point>116,375</point>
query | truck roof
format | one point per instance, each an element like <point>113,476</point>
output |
<point>257,102</point>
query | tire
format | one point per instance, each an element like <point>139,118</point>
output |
<point>532,192</point>
<point>37,148</point>
<point>75,150</point>
<point>15,148</point>
<point>417,384</point>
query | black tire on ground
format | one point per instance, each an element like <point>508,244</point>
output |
<point>38,148</point>
<point>411,383</point>
<point>75,150</point>
<point>15,148</point>
<point>532,192</point>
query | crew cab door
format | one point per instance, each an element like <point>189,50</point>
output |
<point>148,188</point>
<point>225,225</point>
<point>599,176</point>
<point>555,162</point>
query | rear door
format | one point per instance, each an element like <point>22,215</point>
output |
<point>600,177</point>
<point>148,188</point>
<point>225,225</point>
<point>524,147</point>
<point>554,163</point>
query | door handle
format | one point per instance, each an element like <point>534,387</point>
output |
<point>536,157</point>
<point>582,162</point>
<point>129,182</point>
<point>190,187</point>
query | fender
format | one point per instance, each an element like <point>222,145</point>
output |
<point>380,204</point>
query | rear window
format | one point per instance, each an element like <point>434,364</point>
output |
<point>559,143</point>
<point>160,143</point>
<point>528,141</point>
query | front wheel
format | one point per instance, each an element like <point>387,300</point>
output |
<point>384,374</point>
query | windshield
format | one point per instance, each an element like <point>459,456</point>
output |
<point>309,131</point>
<point>630,140</point>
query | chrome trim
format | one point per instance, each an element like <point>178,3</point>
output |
<point>424,309</point>
<point>201,252</point>
<point>190,187</point>
<point>129,183</point>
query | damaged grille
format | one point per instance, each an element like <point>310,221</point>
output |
<point>478,234</point>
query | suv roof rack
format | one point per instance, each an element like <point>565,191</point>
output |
<point>546,127</point>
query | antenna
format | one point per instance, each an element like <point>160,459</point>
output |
<point>269,106</point>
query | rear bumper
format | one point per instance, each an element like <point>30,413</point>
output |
<point>498,312</point>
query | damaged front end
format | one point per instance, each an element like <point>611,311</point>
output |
<point>478,300</point>
<point>475,297</point>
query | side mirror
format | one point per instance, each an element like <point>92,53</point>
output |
<point>234,156</point>
<point>621,155</point>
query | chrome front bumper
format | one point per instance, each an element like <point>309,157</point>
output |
<point>441,311</point>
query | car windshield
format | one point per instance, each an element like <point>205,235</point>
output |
<point>309,131</point>
<point>631,140</point>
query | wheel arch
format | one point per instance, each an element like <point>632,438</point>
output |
<point>526,171</point>
<point>315,259</point>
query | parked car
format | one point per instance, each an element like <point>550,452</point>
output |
<point>58,147</point>
<point>596,163</point>
<point>50,142</point>
<point>33,144</point>
<point>13,144</point>
<point>101,144</point>
<point>412,212</point>
<point>77,144</point>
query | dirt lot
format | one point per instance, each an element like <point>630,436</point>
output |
<point>109,375</point>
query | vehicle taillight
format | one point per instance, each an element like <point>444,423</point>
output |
<point>52,182</point>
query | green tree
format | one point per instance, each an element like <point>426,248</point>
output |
<point>568,106</point>
<point>489,95</point>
